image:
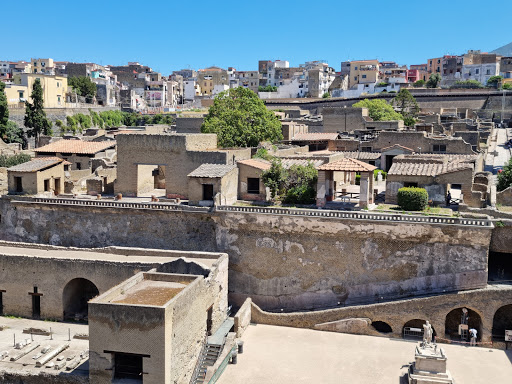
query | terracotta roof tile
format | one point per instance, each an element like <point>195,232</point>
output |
<point>426,169</point>
<point>76,146</point>
<point>212,170</point>
<point>347,164</point>
<point>256,163</point>
<point>36,164</point>
<point>315,136</point>
<point>362,155</point>
<point>397,146</point>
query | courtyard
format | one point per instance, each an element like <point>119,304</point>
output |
<point>280,355</point>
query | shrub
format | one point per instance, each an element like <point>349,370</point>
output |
<point>419,83</point>
<point>10,161</point>
<point>412,198</point>
<point>383,173</point>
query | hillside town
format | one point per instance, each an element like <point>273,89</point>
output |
<point>318,223</point>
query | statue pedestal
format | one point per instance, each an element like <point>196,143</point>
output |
<point>429,367</point>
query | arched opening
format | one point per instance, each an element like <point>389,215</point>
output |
<point>454,318</point>
<point>502,321</point>
<point>382,327</point>
<point>75,296</point>
<point>413,329</point>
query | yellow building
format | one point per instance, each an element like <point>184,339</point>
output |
<point>54,88</point>
<point>363,72</point>
<point>43,66</point>
<point>16,94</point>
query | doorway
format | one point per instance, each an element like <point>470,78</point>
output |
<point>207,191</point>
<point>18,183</point>
<point>209,321</point>
<point>36,304</point>
<point>57,186</point>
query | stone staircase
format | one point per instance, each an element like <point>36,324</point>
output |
<point>208,358</point>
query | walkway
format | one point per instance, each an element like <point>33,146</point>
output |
<point>503,154</point>
<point>281,355</point>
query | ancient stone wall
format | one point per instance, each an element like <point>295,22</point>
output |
<point>279,261</point>
<point>482,302</point>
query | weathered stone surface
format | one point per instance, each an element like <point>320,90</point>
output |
<point>357,326</point>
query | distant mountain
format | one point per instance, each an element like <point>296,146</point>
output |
<point>506,50</point>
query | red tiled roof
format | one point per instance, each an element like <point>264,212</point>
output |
<point>36,164</point>
<point>426,169</point>
<point>347,164</point>
<point>256,163</point>
<point>76,146</point>
<point>315,136</point>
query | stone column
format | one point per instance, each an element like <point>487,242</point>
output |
<point>320,189</point>
<point>364,190</point>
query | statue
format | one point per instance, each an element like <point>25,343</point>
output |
<point>427,335</point>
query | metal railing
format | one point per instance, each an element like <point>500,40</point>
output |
<point>172,206</point>
<point>357,215</point>
<point>222,366</point>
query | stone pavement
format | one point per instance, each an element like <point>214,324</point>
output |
<point>281,355</point>
<point>26,365</point>
<point>503,153</point>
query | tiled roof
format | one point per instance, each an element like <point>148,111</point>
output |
<point>211,170</point>
<point>347,164</point>
<point>397,146</point>
<point>315,136</point>
<point>442,156</point>
<point>256,163</point>
<point>426,169</point>
<point>287,162</point>
<point>35,164</point>
<point>362,155</point>
<point>76,146</point>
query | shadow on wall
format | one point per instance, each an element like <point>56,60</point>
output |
<point>185,267</point>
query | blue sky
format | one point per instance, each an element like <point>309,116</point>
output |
<point>171,35</point>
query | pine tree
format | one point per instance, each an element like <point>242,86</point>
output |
<point>35,116</point>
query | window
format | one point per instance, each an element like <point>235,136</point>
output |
<point>439,148</point>
<point>355,78</point>
<point>355,68</point>
<point>477,71</point>
<point>364,76</point>
<point>438,61</point>
<point>253,185</point>
<point>366,149</point>
<point>79,166</point>
<point>488,72</point>
<point>128,366</point>
<point>47,185</point>
<point>20,93</point>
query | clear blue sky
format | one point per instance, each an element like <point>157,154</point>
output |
<point>171,35</point>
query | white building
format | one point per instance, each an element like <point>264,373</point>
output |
<point>480,66</point>
<point>191,88</point>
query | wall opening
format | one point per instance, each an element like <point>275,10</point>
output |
<point>382,327</point>
<point>413,329</point>
<point>151,179</point>
<point>207,191</point>
<point>209,321</point>
<point>75,297</point>
<point>500,267</point>
<point>454,318</point>
<point>128,366</point>
<point>1,302</point>
<point>501,322</point>
<point>36,304</point>
<point>18,183</point>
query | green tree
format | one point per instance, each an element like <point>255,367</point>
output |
<point>267,88</point>
<point>467,84</point>
<point>407,105</point>
<point>15,134</point>
<point>505,177</point>
<point>434,80</point>
<point>420,83</point>
<point>300,184</point>
<point>494,81</point>
<point>4,110</point>
<point>35,116</point>
<point>240,119</point>
<point>379,109</point>
<point>326,95</point>
<point>11,161</point>
<point>83,86</point>
<point>275,178</point>
<point>507,86</point>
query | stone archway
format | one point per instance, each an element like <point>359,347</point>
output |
<point>453,319</point>
<point>75,296</point>
<point>382,327</point>
<point>502,321</point>
<point>417,324</point>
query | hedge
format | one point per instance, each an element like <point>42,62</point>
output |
<point>412,198</point>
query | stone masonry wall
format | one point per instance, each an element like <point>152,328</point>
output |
<point>279,261</point>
